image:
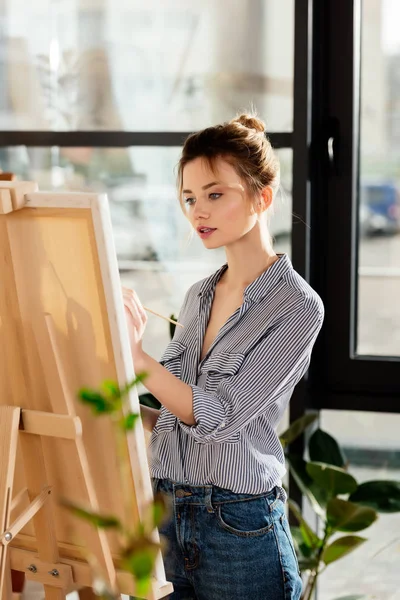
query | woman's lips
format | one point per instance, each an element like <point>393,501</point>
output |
<point>205,232</point>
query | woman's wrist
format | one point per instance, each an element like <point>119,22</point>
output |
<point>140,360</point>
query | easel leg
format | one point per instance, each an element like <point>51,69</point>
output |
<point>9,424</point>
<point>43,521</point>
<point>62,403</point>
<point>7,586</point>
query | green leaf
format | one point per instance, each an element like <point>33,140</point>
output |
<point>158,513</point>
<point>98,403</point>
<point>307,564</point>
<point>314,493</point>
<point>347,516</point>
<point>139,559</point>
<point>331,479</point>
<point>310,539</point>
<point>341,547</point>
<point>130,420</point>
<point>111,388</point>
<point>296,429</point>
<point>324,448</point>
<point>298,540</point>
<point>141,563</point>
<point>96,519</point>
<point>303,552</point>
<point>140,377</point>
<point>383,496</point>
<point>142,586</point>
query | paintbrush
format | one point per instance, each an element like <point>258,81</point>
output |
<point>162,316</point>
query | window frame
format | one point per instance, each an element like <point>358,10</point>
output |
<point>340,378</point>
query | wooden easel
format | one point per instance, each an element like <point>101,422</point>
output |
<point>49,445</point>
<point>45,567</point>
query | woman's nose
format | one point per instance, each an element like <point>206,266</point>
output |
<point>200,210</point>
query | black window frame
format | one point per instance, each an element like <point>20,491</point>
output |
<point>340,378</point>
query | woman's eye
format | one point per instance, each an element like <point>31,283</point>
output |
<point>189,201</point>
<point>215,195</point>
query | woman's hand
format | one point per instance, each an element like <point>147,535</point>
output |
<point>136,319</point>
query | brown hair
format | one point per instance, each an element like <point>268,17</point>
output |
<point>243,144</point>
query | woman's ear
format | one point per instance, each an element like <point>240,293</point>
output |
<point>265,199</point>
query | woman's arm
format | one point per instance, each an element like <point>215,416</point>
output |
<point>149,416</point>
<point>262,385</point>
<point>175,395</point>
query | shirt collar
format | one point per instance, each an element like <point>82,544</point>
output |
<point>258,288</point>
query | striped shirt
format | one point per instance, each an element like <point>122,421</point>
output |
<point>242,386</point>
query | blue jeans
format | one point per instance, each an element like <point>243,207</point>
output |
<point>226,546</point>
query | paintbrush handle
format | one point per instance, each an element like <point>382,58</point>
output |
<point>153,312</point>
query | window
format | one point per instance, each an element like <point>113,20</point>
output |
<point>379,183</point>
<point>354,178</point>
<point>145,66</point>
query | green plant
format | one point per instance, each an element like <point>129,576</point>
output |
<point>342,505</point>
<point>137,546</point>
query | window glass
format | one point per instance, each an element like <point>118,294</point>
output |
<point>144,65</point>
<point>378,331</point>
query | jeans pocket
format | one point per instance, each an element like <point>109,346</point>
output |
<point>245,518</point>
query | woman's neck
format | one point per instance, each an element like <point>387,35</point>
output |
<point>247,259</point>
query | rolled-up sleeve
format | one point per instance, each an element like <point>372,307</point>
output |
<point>266,377</point>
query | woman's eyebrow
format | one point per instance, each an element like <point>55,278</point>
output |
<point>204,187</point>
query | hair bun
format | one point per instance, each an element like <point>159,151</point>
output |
<point>251,122</point>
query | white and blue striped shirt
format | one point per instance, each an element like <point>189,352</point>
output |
<point>242,386</point>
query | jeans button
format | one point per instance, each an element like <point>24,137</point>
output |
<point>180,494</point>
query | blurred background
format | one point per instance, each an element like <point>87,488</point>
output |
<point>120,68</point>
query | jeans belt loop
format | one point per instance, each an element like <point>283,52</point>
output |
<point>208,499</point>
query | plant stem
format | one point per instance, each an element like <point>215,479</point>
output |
<point>312,579</point>
<point>125,473</point>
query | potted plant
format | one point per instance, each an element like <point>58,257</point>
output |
<point>342,505</point>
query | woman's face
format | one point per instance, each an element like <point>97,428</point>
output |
<point>216,204</point>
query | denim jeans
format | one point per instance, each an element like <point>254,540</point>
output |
<point>226,546</point>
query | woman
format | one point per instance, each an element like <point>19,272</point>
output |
<point>226,378</point>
